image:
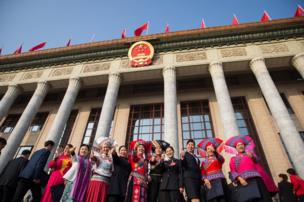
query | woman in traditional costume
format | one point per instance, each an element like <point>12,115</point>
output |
<point>191,172</point>
<point>119,179</point>
<point>171,182</point>
<point>156,169</point>
<point>60,165</point>
<point>78,177</point>
<point>138,180</point>
<point>211,169</point>
<point>101,172</point>
<point>244,172</point>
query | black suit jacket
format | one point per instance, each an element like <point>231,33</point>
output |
<point>9,175</point>
<point>34,168</point>
<point>286,192</point>
<point>172,175</point>
<point>191,167</point>
<point>119,179</point>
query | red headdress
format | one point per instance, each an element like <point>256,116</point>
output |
<point>215,142</point>
<point>231,143</point>
<point>135,143</point>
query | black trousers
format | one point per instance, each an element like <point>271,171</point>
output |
<point>153,188</point>
<point>170,196</point>
<point>23,186</point>
<point>115,198</point>
<point>6,193</point>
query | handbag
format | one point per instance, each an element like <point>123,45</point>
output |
<point>57,191</point>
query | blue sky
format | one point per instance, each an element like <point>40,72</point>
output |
<point>30,22</point>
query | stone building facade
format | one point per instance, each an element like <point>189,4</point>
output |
<point>213,82</point>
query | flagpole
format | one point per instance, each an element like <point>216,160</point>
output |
<point>147,32</point>
<point>92,38</point>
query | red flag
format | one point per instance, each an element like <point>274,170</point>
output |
<point>18,50</point>
<point>37,47</point>
<point>235,21</point>
<point>139,30</point>
<point>167,28</point>
<point>68,43</point>
<point>203,25</point>
<point>124,34</point>
<point>299,11</point>
<point>265,17</point>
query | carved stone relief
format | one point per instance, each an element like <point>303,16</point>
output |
<point>7,77</point>
<point>61,71</point>
<point>125,64</point>
<point>96,67</point>
<point>32,75</point>
<point>232,52</point>
<point>184,57</point>
<point>274,48</point>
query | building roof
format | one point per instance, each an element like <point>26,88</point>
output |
<point>179,40</point>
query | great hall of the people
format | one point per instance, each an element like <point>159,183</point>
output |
<point>213,82</point>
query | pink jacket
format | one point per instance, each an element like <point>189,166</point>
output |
<point>244,166</point>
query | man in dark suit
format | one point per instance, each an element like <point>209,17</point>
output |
<point>286,190</point>
<point>30,176</point>
<point>2,143</point>
<point>9,176</point>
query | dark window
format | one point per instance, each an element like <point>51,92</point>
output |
<point>246,125</point>
<point>286,75</point>
<point>23,99</point>
<point>91,128</point>
<point>9,123</point>
<point>194,83</point>
<point>91,93</point>
<point>68,129</point>
<point>302,134</point>
<point>289,108</point>
<point>38,122</point>
<point>55,97</point>
<point>196,121</point>
<point>151,88</point>
<point>145,122</point>
<point>22,148</point>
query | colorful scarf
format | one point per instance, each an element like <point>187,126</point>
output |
<point>82,179</point>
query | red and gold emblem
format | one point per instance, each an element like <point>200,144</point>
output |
<point>141,54</point>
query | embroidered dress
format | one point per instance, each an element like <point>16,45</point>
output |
<point>211,169</point>
<point>60,165</point>
<point>244,166</point>
<point>138,180</point>
<point>99,184</point>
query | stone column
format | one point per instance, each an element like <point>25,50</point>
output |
<point>290,136</point>
<point>223,100</point>
<point>108,107</point>
<point>298,63</point>
<point>23,123</point>
<point>8,99</point>
<point>170,104</point>
<point>64,110</point>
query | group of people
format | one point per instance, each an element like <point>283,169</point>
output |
<point>148,172</point>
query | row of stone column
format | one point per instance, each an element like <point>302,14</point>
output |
<point>290,135</point>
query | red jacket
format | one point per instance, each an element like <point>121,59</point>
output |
<point>298,185</point>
